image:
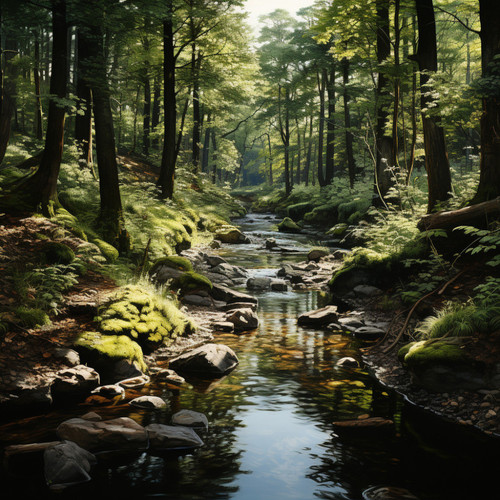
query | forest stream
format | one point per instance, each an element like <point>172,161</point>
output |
<point>270,430</point>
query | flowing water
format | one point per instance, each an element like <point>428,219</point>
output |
<point>271,434</point>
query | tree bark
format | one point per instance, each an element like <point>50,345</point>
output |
<point>330,127</point>
<point>195,74</point>
<point>146,115</point>
<point>38,100</point>
<point>206,144</point>
<point>8,90</point>
<point>351,164</point>
<point>169,156</point>
<point>321,132</point>
<point>489,180</point>
<point>436,158</point>
<point>155,112</point>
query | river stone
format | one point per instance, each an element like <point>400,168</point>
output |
<point>368,333</point>
<point>238,305</point>
<point>27,399</point>
<point>366,291</point>
<point>197,300</point>
<point>206,361</point>
<point>92,416</point>
<point>148,402</point>
<point>260,283</point>
<point>388,493</point>
<point>121,433</point>
<point>373,423</point>
<point>243,319</point>
<point>68,356</point>
<point>223,326</point>
<point>122,370</point>
<point>19,458</point>
<point>347,361</point>
<point>350,323</point>
<point>66,464</point>
<point>214,260</point>
<point>231,235</point>
<point>135,382</point>
<point>74,382</point>
<point>109,391</point>
<point>166,437</point>
<point>316,255</point>
<point>190,418</point>
<point>215,244</point>
<point>287,225</point>
<point>319,317</point>
<point>170,377</point>
<point>271,244</point>
<point>220,292</point>
<point>230,271</point>
<point>279,286</point>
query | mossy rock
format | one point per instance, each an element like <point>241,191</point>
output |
<point>353,211</point>
<point>30,318</point>
<point>445,351</point>
<point>57,253</point>
<point>190,282</point>
<point>287,225</point>
<point>297,211</point>
<point>338,230</point>
<point>98,349</point>
<point>229,234</point>
<point>174,262</point>
<point>109,252</point>
<point>145,316</point>
<point>323,215</point>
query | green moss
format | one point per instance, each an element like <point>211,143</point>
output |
<point>338,230</point>
<point>174,262</point>
<point>30,318</point>
<point>190,282</point>
<point>353,211</point>
<point>444,351</point>
<point>298,210</point>
<point>57,253</point>
<point>287,225</point>
<point>323,214</point>
<point>109,252</point>
<point>98,348</point>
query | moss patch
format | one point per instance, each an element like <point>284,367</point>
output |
<point>174,262</point>
<point>57,253</point>
<point>287,225</point>
<point>98,349</point>
<point>190,282</point>
<point>109,252</point>
<point>426,352</point>
<point>30,318</point>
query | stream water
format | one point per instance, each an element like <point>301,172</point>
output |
<point>271,433</point>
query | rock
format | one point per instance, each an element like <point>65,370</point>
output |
<point>170,377</point>
<point>279,286</point>
<point>197,300</point>
<point>74,382</point>
<point>215,244</point>
<point>92,416</point>
<point>230,271</point>
<point>316,255</point>
<point>368,333</point>
<point>135,382</point>
<point>121,433</point>
<point>109,391</point>
<point>366,291</point>
<point>190,418</point>
<point>122,370</point>
<point>388,493</point>
<point>238,305</point>
<point>19,400</point>
<point>19,458</point>
<point>231,235</point>
<point>66,464</point>
<point>340,253</point>
<point>226,294</point>
<point>148,402</point>
<point>207,361</point>
<point>270,243</point>
<point>259,283</point>
<point>287,225</point>
<point>223,326</point>
<point>319,317</point>
<point>68,356</point>
<point>338,230</point>
<point>347,361</point>
<point>350,323</point>
<point>243,319</point>
<point>373,423</point>
<point>214,260</point>
<point>168,437</point>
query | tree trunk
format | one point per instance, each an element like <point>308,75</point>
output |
<point>489,180</point>
<point>83,122</point>
<point>8,90</point>
<point>286,143</point>
<point>347,122</point>
<point>330,127</point>
<point>436,158</point>
<point>169,156</point>
<point>38,126</point>
<point>309,152</point>
<point>206,144</point>
<point>299,153</point>
<point>155,112</point>
<point>214,158</point>
<point>321,90</point>
<point>270,159</point>
<point>146,116</point>
<point>195,69</point>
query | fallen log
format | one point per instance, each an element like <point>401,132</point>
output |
<point>462,217</point>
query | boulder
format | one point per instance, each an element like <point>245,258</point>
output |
<point>170,437</point>
<point>368,333</point>
<point>206,361</point>
<point>319,317</point>
<point>148,402</point>
<point>279,286</point>
<point>220,292</point>
<point>223,326</point>
<point>347,362</point>
<point>121,433</point>
<point>124,369</point>
<point>170,377</point>
<point>351,323</point>
<point>215,244</point>
<point>18,458</point>
<point>287,225</point>
<point>231,235</point>
<point>76,382</point>
<point>214,260</point>
<point>259,283</point>
<point>109,391</point>
<point>271,244</point>
<point>135,382</point>
<point>230,271</point>
<point>238,305</point>
<point>243,319</point>
<point>29,399</point>
<point>197,300</point>
<point>68,356</point>
<point>316,255</point>
<point>388,493</point>
<point>190,418</point>
<point>66,464</point>
<point>366,291</point>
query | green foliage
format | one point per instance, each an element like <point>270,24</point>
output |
<point>173,261</point>
<point>486,242</point>
<point>57,253</point>
<point>99,349</point>
<point>109,252</point>
<point>30,318</point>
<point>143,314</point>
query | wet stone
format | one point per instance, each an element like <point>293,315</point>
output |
<point>190,418</point>
<point>149,402</point>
